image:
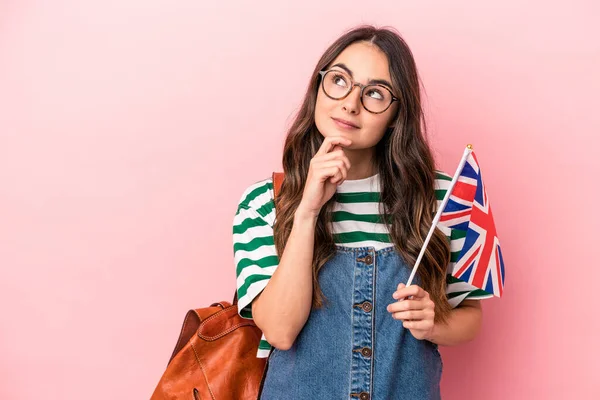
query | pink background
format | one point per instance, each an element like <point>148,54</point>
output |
<point>129,129</point>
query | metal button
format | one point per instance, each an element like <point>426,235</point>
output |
<point>367,307</point>
<point>366,352</point>
<point>364,396</point>
<point>369,260</point>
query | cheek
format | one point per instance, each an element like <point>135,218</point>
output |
<point>376,128</point>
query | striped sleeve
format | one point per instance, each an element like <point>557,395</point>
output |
<point>253,245</point>
<point>456,290</point>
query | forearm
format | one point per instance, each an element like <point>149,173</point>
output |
<point>462,326</point>
<point>283,307</point>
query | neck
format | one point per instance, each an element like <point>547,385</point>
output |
<point>362,165</point>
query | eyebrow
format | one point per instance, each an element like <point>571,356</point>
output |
<point>371,81</point>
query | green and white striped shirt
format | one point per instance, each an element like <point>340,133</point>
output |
<point>356,223</point>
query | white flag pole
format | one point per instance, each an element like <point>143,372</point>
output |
<point>438,214</point>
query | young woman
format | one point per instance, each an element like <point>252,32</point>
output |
<point>322,268</point>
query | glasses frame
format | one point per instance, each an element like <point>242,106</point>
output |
<point>362,89</point>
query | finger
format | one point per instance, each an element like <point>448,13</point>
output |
<point>337,152</point>
<point>422,325</point>
<point>412,315</point>
<point>337,178</point>
<point>328,173</point>
<point>334,155</point>
<point>341,177</point>
<point>401,286</point>
<point>346,161</point>
<point>335,163</point>
<point>343,156</point>
<point>406,305</point>
<point>412,290</point>
<point>330,142</point>
<point>343,172</point>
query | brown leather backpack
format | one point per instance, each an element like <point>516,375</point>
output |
<point>215,355</point>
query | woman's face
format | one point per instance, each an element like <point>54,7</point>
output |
<point>347,117</point>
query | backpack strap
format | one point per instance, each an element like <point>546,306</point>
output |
<point>190,326</point>
<point>277,181</point>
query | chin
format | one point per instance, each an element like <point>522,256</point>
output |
<point>330,129</point>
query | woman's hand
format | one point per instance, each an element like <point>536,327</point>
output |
<point>415,309</point>
<point>328,168</point>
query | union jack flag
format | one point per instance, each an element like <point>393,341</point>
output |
<point>469,215</point>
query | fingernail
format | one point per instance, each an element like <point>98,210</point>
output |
<point>395,295</point>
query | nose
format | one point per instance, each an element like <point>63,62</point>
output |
<point>351,103</point>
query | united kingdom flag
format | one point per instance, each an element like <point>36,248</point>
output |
<point>469,215</point>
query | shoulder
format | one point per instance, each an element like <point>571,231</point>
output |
<point>441,186</point>
<point>258,197</point>
<point>442,180</point>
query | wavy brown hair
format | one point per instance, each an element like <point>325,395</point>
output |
<point>403,159</point>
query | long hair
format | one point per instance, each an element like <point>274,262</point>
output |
<point>403,159</point>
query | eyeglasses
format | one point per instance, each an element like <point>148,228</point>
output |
<point>337,85</point>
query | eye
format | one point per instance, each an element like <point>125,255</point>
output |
<point>375,94</point>
<point>339,80</point>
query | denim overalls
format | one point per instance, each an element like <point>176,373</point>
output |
<point>352,348</point>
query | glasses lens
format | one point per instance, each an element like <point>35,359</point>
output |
<point>376,98</point>
<point>336,84</point>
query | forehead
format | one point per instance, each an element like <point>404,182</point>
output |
<point>365,60</point>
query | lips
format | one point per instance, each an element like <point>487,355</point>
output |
<point>345,124</point>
